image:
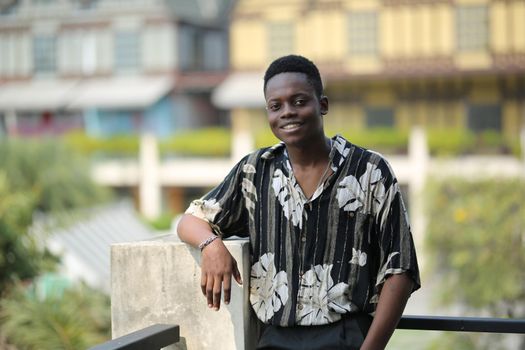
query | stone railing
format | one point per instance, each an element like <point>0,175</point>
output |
<point>158,282</point>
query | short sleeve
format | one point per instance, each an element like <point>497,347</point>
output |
<point>223,207</point>
<point>396,245</point>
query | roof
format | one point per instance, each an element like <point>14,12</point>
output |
<point>240,89</point>
<point>35,94</point>
<point>84,246</point>
<point>129,92</point>
<point>115,92</point>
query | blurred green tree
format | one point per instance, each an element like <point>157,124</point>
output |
<point>43,176</point>
<point>70,319</point>
<point>36,175</point>
<point>476,239</point>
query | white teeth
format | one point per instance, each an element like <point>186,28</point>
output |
<point>290,126</point>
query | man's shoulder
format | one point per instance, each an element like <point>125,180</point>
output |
<point>265,154</point>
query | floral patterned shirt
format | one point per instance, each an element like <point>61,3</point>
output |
<point>314,259</point>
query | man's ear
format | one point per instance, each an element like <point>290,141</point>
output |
<point>323,102</point>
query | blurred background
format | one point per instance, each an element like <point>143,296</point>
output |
<point>115,114</point>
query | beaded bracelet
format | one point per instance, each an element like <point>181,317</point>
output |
<point>208,240</point>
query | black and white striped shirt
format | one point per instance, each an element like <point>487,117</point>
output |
<point>318,258</point>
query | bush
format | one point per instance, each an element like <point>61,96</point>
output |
<point>118,145</point>
<point>385,140</point>
<point>453,142</point>
<point>212,142</point>
<point>475,241</point>
<point>75,318</point>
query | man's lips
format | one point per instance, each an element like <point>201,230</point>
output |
<point>290,126</point>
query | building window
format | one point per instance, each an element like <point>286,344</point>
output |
<point>484,117</point>
<point>13,53</point>
<point>362,33</point>
<point>280,39</point>
<point>215,51</point>
<point>8,7</point>
<point>472,28</point>
<point>44,54</point>
<point>127,50</point>
<point>379,117</point>
<point>191,48</point>
<point>86,4</point>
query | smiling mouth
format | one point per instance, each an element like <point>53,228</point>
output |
<point>290,126</point>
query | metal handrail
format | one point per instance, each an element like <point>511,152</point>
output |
<point>160,335</point>
<point>152,338</point>
<point>463,324</point>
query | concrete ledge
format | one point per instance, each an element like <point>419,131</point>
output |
<point>158,281</point>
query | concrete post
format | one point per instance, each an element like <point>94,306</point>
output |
<point>419,158</point>
<point>149,183</point>
<point>11,123</point>
<point>158,281</point>
<point>242,139</point>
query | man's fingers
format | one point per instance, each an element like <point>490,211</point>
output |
<point>209,291</point>
<point>236,273</point>
<point>226,285</point>
<point>203,283</point>
<point>217,286</point>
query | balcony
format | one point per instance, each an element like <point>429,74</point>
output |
<point>165,305</point>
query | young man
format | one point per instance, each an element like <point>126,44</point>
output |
<point>329,234</point>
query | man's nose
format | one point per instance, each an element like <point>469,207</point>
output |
<point>288,110</point>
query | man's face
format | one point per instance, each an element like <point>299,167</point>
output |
<point>294,109</point>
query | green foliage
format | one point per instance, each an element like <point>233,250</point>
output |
<point>467,341</point>
<point>161,223</point>
<point>476,234</point>
<point>119,145</point>
<point>385,140</point>
<point>213,142</point>
<point>206,142</point>
<point>476,243</point>
<point>453,142</point>
<point>77,318</point>
<point>36,175</point>
<point>55,177</point>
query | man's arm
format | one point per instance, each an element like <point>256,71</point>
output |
<point>217,264</point>
<point>392,300</point>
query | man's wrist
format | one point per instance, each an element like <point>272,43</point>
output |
<point>207,242</point>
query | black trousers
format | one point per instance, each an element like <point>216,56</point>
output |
<point>348,333</point>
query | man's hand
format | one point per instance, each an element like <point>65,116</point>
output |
<point>217,268</point>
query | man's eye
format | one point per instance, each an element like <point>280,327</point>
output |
<point>274,107</point>
<point>299,102</point>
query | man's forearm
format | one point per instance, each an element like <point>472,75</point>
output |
<point>193,230</point>
<point>392,301</point>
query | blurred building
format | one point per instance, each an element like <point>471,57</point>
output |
<point>158,66</point>
<point>389,63</point>
<point>111,67</point>
<point>114,66</point>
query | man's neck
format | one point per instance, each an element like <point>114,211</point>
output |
<point>314,154</point>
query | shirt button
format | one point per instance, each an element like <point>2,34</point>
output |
<point>300,306</point>
<point>303,238</point>
<point>351,214</point>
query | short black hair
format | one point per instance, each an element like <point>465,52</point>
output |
<point>295,64</point>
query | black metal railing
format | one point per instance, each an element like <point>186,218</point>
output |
<point>152,338</point>
<point>158,336</point>
<point>463,324</point>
